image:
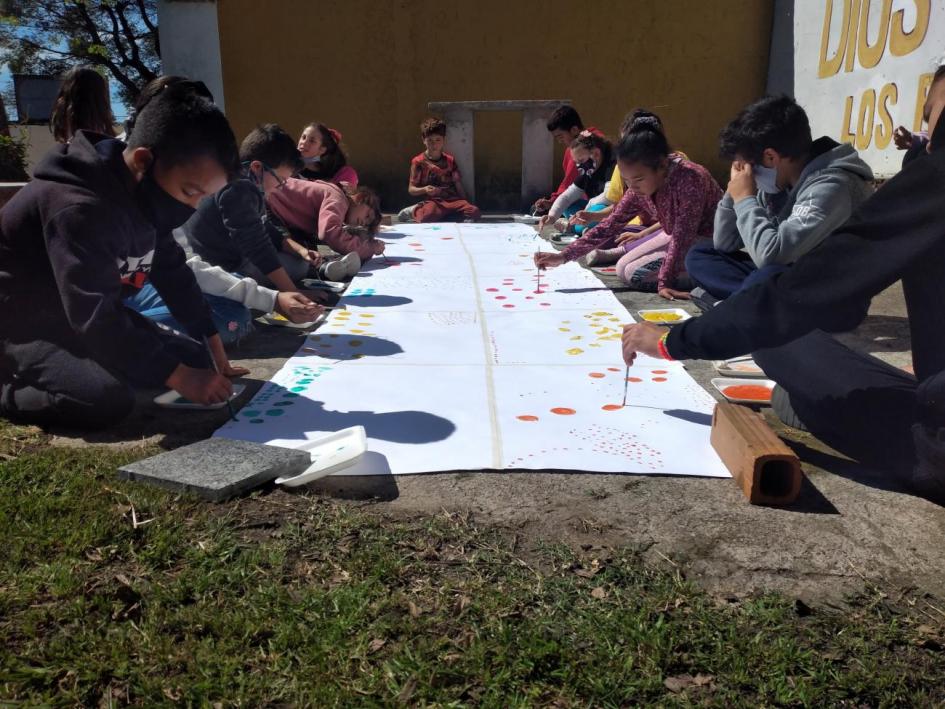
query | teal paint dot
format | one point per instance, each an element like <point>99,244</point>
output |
<point>291,395</point>
<point>305,381</point>
<point>256,421</point>
<point>282,403</point>
<point>250,414</point>
<point>297,389</point>
<point>275,412</point>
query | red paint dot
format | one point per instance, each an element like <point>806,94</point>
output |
<point>517,290</point>
<point>660,371</point>
<point>508,305</point>
<point>492,290</point>
<point>446,238</point>
<point>634,380</point>
<point>659,379</point>
<point>612,369</point>
<point>596,375</point>
<point>547,305</point>
<point>501,297</point>
<point>529,297</point>
<point>611,407</point>
<point>562,411</point>
<point>527,418</point>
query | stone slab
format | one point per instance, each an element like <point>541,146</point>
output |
<point>217,468</point>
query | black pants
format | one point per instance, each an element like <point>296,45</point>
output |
<point>52,380</point>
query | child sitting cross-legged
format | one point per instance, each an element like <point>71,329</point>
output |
<point>324,213</point>
<point>435,176</point>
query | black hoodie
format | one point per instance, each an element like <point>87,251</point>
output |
<point>896,233</point>
<point>74,238</point>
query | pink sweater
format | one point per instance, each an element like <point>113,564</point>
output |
<point>319,208</point>
<point>684,206</point>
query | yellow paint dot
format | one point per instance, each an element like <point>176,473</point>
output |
<point>601,315</point>
<point>575,351</point>
<point>594,344</point>
<point>577,337</point>
<point>366,315</point>
<point>565,322</point>
<point>356,332</point>
<point>356,343</point>
<point>614,319</point>
<point>564,329</point>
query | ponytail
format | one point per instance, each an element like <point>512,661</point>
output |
<point>644,141</point>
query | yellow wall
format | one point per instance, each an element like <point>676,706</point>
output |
<point>369,67</point>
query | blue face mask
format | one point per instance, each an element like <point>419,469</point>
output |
<point>766,178</point>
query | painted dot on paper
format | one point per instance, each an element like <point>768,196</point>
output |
<point>527,418</point>
<point>256,421</point>
<point>492,290</point>
<point>596,375</point>
<point>574,351</point>
<point>563,411</point>
<point>275,412</point>
<point>660,371</point>
<point>612,369</point>
<point>501,297</point>
<point>611,407</point>
<point>659,379</point>
<point>508,305</point>
<point>634,380</point>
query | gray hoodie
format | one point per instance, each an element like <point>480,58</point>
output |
<point>779,229</point>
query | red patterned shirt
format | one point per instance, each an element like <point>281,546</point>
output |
<point>442,174</point>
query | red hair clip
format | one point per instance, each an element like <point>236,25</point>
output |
<point>335,134</point>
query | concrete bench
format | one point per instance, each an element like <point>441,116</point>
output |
<point>537,144</point>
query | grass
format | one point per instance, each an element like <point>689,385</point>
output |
<point>114,594</point>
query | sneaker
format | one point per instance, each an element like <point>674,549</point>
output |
<point>604,257</point>
<point>352,264</point>
<point>333,270</point>
<point>781,405</point>
<point>405,215</point>
<point>703,300</point>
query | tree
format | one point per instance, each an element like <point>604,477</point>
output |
<point>50,36</point>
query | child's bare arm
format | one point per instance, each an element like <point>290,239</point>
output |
<point>425,191</point>
<point>458,183</point>
<point>281,280</point>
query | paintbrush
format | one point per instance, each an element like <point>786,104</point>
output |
<point>229,404</point>
<point>538,269</point>
<point>626,381</point>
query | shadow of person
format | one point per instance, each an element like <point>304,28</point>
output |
<point>690,416</point>
<point>337,347</point>
<point>379,263</point>
<point>375,301</point>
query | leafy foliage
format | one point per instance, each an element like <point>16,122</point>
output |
<point>50,36</point>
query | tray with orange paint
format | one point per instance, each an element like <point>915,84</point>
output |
<point>745,391</point>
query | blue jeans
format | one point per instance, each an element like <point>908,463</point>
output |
<point>581,228</point>
<point>723,274</point>
<point>233,320</point>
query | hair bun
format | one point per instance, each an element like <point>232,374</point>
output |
<point>646,123</point>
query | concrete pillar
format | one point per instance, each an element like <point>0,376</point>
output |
<point>190,43</point>
<point>460,125</point>
<point>538,154</point>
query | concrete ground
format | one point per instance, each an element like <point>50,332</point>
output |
<point>850,525</point>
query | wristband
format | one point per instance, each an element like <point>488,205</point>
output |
<point>661,346</point>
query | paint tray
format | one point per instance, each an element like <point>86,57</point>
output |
<point>562,239</point>
<point>315,284</point>
<point>280,321</point>
<point>172,400</point>
<point>724,384</point>
<point>525,219</point>
<point>664,316</point>
<point>329,454</point>
<point>744,367</point>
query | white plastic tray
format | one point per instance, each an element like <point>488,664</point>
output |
<point>280,321</point>
<point>329,454</point>
<point>723,383</point>
<point>172,400</point>
<point>743,367</point>
<point>683,315</point>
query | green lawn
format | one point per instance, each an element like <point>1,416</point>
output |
<point>280,599</point>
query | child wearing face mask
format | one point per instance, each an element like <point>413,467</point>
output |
<point>786,195</point>
<point>96,220</point>
<point>593,155</point>
<point>325,158</point>
<point>662,189</point>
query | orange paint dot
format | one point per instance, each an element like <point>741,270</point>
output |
<point>596,375</point>
<point>561,411</point>
<point>634,380</point>
<point>611,407</point>
<point>660,371</point>
<point>527,418</point>
<point>612,369</point>
<point>659,379</point>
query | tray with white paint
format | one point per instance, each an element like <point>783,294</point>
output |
<point>329,454</point>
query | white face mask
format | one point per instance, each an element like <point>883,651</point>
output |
<point>766,178</point>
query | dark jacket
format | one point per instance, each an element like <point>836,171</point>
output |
<point>72,242</point>
<point>898,233</point>
<point>231,226</point>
